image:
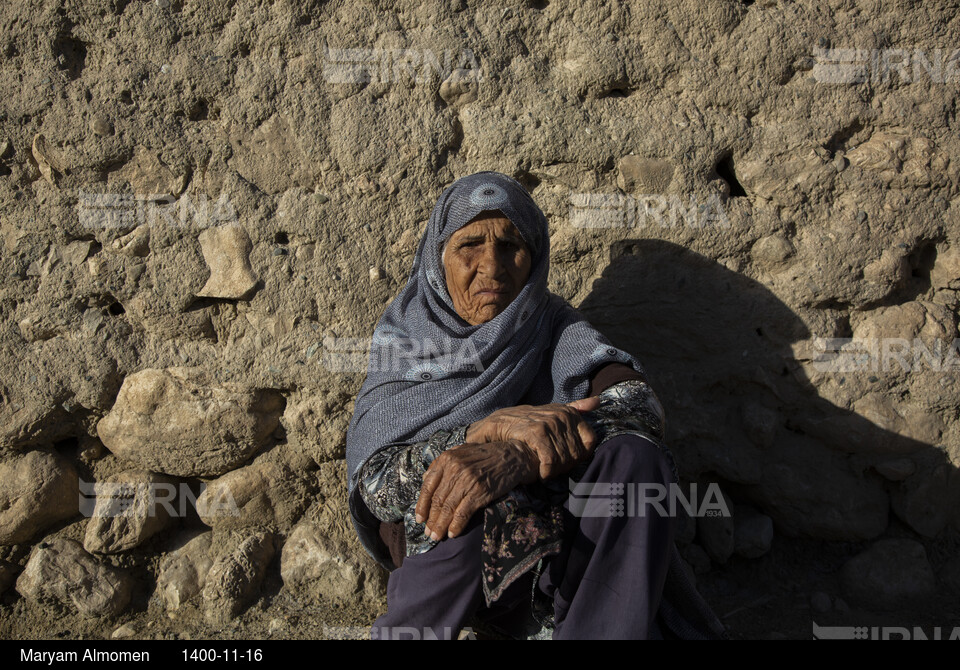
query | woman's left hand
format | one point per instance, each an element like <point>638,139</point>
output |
<point>465,479</point>
<point>556,432</point>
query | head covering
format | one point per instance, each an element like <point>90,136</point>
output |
<point>430,370</point>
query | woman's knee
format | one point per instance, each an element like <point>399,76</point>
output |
<point>633,458</point>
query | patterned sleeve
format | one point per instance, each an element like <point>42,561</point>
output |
<point>629,406</point>
<point>390,480</point>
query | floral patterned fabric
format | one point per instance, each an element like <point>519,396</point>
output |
<point>524,526</point>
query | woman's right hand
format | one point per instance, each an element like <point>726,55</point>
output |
<point>556,432</point>
<point>463,480</point>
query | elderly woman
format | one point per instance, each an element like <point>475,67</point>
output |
<point>487,400</point>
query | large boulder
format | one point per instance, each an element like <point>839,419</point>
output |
<point>234,579</point>
<point>889,575</point>
<point>169,421</point>
<point>37,489</point>
<point>130,507</point>
<point>183,571</point>
<point>60,573</point>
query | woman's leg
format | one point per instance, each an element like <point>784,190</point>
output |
<point>433,594</point>
<point>608,585</point>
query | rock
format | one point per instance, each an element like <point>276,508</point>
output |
<point>905,322</point>
<point>269,492</point>
<point>101,125</point>
<point>234,578</point>
<point>48,163</point>
<point>131,507</point>
<point>827,499</point>
<point>716,535</point>
<point>946,269</point>
<point>891,269</point>
<point>896,470</point>
<point>149,176</point>
<point>183,572</point>
<point>124,632</point>
<point>889,575</point>
<point>460,88</point>
<point>168,421</point>
<point>61,573</point>
<point>37,489</point>
<point>820,602</point>
<point>928,500</point>
<point>753,532</point>
<point>645,176</point>
<point>376,273</point>
<point>323,568</point>
<point>771,251</point>
<point>226,249</point>
<point>136,243</point>
<point>8,575</point>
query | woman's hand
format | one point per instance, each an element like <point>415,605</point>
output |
<point>556,432</point>
<point>465,479</point>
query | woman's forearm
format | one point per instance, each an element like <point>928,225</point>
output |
<point>390,480</point>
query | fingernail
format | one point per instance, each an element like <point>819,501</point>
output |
<point>434,537</point>
<point>419,519</point>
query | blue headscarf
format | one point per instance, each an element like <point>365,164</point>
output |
<point>430,370</point>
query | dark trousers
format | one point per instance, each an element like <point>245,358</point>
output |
<point>606,584</point>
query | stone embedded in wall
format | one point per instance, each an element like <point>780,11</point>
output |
<point>235,577</point>
<point>37,489</point>
<point>929,499</point>
<point>226,249</point>
<point>183,571</point>
<point>323,568</point>
<point>60,573</point>
<point>888,575</point>
<point>170,421</point>
<point>149,176</point>
<point>49,164</point>
<point>646,176</point>
<point>131,507</point>
<point>771,251</point>
<point>753,532</point>
<point>460,88</point>
<point>946,270</point>
<point>268,492</point>
<point>810,490</point>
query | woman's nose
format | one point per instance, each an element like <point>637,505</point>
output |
<point>491,263</point>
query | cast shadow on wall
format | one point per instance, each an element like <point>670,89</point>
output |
<point>740,410</point>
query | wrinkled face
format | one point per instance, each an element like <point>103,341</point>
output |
<point>487,264</point>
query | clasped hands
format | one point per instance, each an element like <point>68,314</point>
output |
<point>512,446</point>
